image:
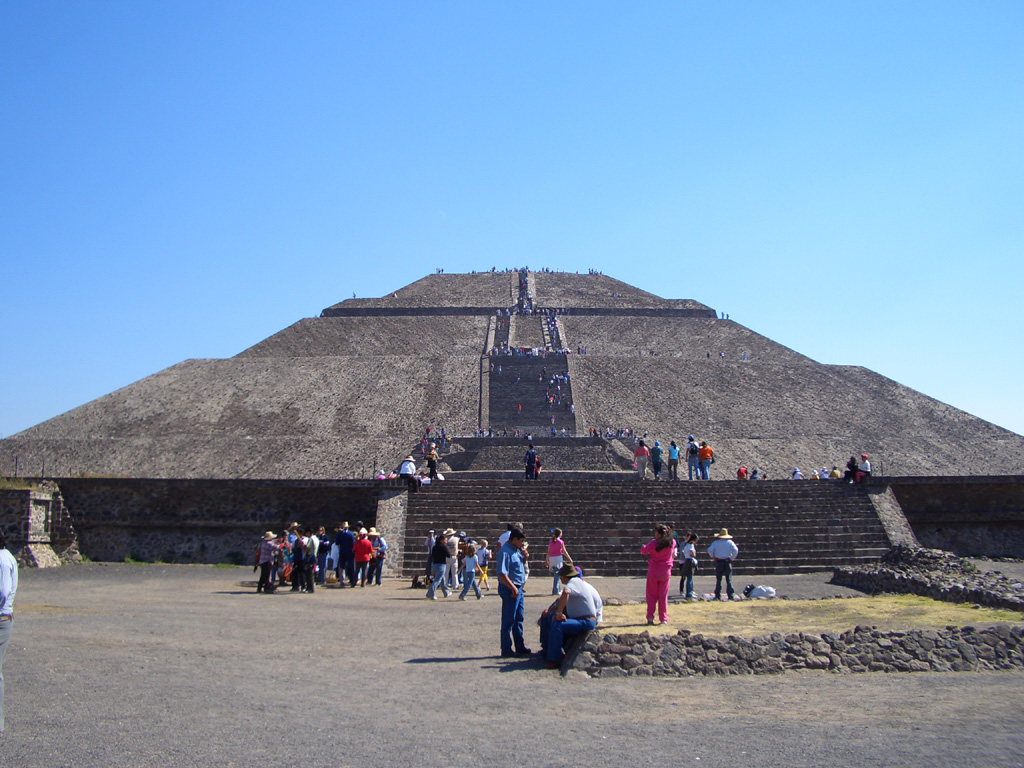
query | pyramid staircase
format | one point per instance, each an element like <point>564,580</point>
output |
<point>780,526</point>
<point>533,374</point>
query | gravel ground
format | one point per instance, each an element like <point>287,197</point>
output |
<point>121,665</point>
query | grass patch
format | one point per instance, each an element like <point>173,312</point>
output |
<point>16,484</point>
<point>750,618</point>
<point>224,565</point>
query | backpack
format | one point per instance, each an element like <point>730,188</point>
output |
<point>692,449</point>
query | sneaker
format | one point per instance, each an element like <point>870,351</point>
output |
<point>650,622</point>
<point>479,596</point>
<point>665,621</point>
<point>462,597</point>
<point>432,597</point>
<point>523,652</point>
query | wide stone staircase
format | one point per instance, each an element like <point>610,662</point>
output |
<point>523,381</point>
<point>779,526</point>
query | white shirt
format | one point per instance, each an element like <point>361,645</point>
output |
<point>503,538</point>
<point>407,468</point>
<point>689,551</point>
<point>8,582</point>
<point>584,600</point>
<point>723,549</point>
<point>865,466</point>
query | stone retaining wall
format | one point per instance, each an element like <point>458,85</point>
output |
<point>971,516</point>
<point>862,649</point>
<point>213,521</point>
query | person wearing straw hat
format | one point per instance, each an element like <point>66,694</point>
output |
<point>407,472</point>
<point>267,553</point>
<point>577,611</point>
<point>723,551</point>
<point>432,461</point>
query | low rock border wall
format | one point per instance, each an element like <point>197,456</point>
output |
<point>935,574</point>
<point>862,649</point>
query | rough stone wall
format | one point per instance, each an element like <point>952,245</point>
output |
<point>893,520</point>
<point>935,574</point>
<point>777,416</point>
<point>391,508</point>
<point>276,418</point>
<point>206,521</point>
<point>862,649</point>
<point>483,289</point>
<point>373,336</point>
<point>566,290</point>
<point>25,519</point>
<point>979,516</point>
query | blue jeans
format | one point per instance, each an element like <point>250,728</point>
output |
<point>511,619</point>
<point>469,580</point>
<point>705,469</point>
<point>373,575</point>
<point>686,585</point>
<point>553,634</point>
<point>723,568</point>
<point>693,467</point>
<point>437,580</point>
<point>556,585</point>
<point>5,636</point>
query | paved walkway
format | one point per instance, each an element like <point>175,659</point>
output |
<point>119,665</point>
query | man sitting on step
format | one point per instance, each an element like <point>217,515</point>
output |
<point>577,610</point>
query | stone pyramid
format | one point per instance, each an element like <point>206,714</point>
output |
<point>339,395</point>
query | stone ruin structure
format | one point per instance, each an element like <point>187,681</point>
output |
<point>190,463</point>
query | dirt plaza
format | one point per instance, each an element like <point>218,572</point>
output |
<point>152,665</point>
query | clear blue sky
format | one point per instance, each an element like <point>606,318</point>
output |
<point>180,180</point>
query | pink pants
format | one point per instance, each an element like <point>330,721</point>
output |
<point>657,592</point>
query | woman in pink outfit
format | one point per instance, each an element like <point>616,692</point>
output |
<point>660,552</point>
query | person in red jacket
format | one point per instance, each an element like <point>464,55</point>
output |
<point>363,552</point>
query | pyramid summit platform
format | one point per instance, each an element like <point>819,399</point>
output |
<point>352,390</point>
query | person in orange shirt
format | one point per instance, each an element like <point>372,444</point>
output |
<point>706,456</point>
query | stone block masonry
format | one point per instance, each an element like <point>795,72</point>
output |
<point>935,574</point>
<point>216,521</point>
<point>34,524</point>
<point>862,649</point>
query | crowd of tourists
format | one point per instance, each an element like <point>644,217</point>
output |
<point>306,559</point>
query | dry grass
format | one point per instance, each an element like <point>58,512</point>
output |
<point>750,618</point>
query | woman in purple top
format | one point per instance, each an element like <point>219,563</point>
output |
<point>660,552</point>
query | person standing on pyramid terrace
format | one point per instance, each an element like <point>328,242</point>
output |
<point>641,455</point>
<point>693,458</point>
<point>511,578</point>
<point>8,587</point>
<point>530,460</point>
<point>707,457</point>
<point>656,459</point>
<point>723,551</point>
<point>432,461</point>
